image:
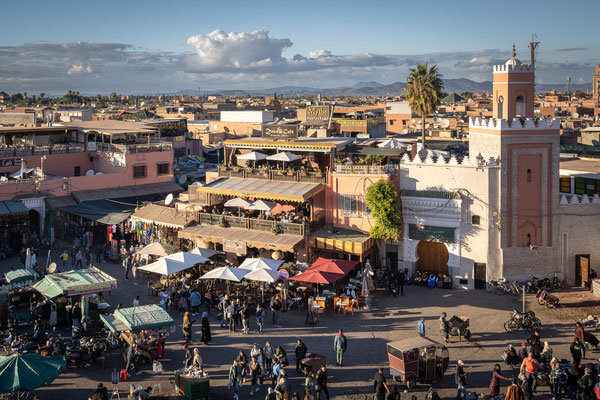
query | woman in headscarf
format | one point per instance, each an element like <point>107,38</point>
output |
<point>205,328</point>
<point>187,327</point>
<point>546,357</point>
<point>495,382</point>
<point>197,363</point>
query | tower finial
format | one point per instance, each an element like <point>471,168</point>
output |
<point>514,53</point>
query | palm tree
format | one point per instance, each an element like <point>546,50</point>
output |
<point>424,91</point>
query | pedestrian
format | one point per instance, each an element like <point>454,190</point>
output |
<point>79,260</point>
<point>98,253</point>
<point>281,356</point>
<point>275,370</point>
<point>125,265</point>
<point>73,256</point>
<point>187,327</point>
<point>231,316</point>
<point>395,394</point>
<point>234,379</point>
<point>401,279</point>
<point>530,367</point>
<point>136,301</point>
<point>53,318</point>
<point>282,386</point>
<point>255,373</point>
<point>579,331</point>
<point>65,260</point>
<point>101,392</point>
<point>495,381</point>
<point>270,394</point>
<point>535,344</point>
<point>223,304</point>
<point>242,361</point>
<point>197,361</point>
<point>586,385</point>
<point>321,385</point>
<point>268,353</point>
<point>421,327</point>
<point>577,351</point>
<point>255,352</point>
<point>523,351</point>
<point>276,306</point>
<point>195,301</point>
<point>131,359</point>
<point>380,385</point>
<point>432,394</point>
<point>309,381</point>
<point>300,352</point>
<point>340,344</point>
<point>134,267</point>
<point>207,302</point>
<point>444,327</point>
<point>558,379</point>
<point>245,315</point>
<point>188,356</point>
<point>460,378</point>
<point>528,390</point>
<point>546,357</point>
<point>514,391</point>
<point>260,318</point>
<point>205,335</point>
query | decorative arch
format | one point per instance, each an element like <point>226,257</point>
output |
<point>527,234</point>
<point>500,107</point>
<point>520,106</point>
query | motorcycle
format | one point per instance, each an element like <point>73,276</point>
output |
<point>545,298</point>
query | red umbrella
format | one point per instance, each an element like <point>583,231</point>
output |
<point>315,276</point>
<point>333,265</point>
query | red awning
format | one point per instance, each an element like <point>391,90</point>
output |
<point>333,265</point>
<point>315,276</point>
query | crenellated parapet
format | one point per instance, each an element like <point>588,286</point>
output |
<point>526,124</point>
<point>513,68</point>
<point>578,200</point>
<point>451,160</point>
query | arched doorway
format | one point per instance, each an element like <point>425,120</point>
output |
<point>432,257</point>
<point>34,218</point>
<point>520,107</point>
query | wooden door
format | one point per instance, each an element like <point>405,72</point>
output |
<point>582,269</point>
<point>432,257</point>
<point>480,276</point>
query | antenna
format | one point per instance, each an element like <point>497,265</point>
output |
<point>533,45</point>
<point>569,87</point>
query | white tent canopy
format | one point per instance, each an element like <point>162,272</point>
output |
<point>392,144</point>
<point>237,202</point>
<point>204,252</point>
<point>153,249</point>
<point>260,263</point>
<point>165,266</point>
<point>187,258</point>
<point>263,275</point>
<point>261,205</point>
<point>226,273</point>
<point>252,156</point>
<point>284,156</point>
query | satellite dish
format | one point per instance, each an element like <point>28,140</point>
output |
<point>575,115</point>
<point>183,179</point>
<point>445,123</point>
<point>52,268</point>
<point>99,173</point>
<point>89,172</point>
<point>169,199</point>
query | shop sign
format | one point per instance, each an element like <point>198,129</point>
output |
<point>317,114</point>
<point>10,162</point>
<point>234,246</point>
<point>92,288</point>
<point>289,131</point>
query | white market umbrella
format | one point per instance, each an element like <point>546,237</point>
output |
<point>237,202</point>
<point>284,156</point>
<point>392,144</point>
<point>263,275</point>
<point>165,266</point>
<point>253,264</point>
<point>204,252</point>
<point>153,249</point>
<point>353,114</point>
<point>28,261</point>
<point>371,114</point>
<point>261,205</point>
<point>252,156</point>
<point>187,258</point>
<point>226,273</point>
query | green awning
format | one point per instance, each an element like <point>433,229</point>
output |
<point>19,275</point>
<point>77,282</point>
<point>138,318</point>
<point>103,211</point>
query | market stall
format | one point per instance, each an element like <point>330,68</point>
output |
<point>22,276</point>
<point>193,385</point>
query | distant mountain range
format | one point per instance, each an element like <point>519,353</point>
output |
<point>375,89</point>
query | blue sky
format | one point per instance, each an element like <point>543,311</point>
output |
<point>151,46</point>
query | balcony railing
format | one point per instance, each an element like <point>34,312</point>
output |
<point>273,174</point>
<point>365,169</point>
<point>13,151</point>
<point>134,148</point>
<point>265,225</point>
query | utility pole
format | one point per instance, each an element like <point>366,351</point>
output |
<point>533,45</point>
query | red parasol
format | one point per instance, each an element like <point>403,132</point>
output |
<point>315,276</point>
<point>333,265</point>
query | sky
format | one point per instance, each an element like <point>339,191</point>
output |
<point>165,46</point>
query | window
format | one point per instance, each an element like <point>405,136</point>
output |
<point>528,175</point>
<point>367,210</point>
<point>565,184</point>
<point>579,185</point>
<point>350,205</point>
<point>77,171</point>
<point>391,122</point>
<point>139,171</point>
<point>475,219</point>
<point>162,169</point>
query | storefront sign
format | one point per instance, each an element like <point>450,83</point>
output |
<point>10,162</point>
<point>234,246</point>
<point>289,131</point>
<point>317,114</point>
<point>92,288</point>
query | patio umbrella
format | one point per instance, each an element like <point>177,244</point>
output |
<point>165,266</point>
<point>353,114</point>
<point>316,276</point>
<point>371,114</point>
<point>237,202</point>
<point>154,249</point>
<point>392,144</point>
<point>28,371</point>
<point>284,156</point>
<point>187,258</point>
<point>28,262</point>
<point>261,205</point>
<point>263,275</point>
<point>226,273</point>
<point>333,265</point>
<point>252,156</point>
<point>260,263</point>
<point>204,252</point>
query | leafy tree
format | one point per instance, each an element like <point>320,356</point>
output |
<point>16,98</point>
<point>383,201</point>
<point>424,89</point>
<point>579,94</point>
<point>467,95</point>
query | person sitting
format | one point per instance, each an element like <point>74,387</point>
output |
<point>100,394</point>
<point>46,350</point>
<point>143,394</point>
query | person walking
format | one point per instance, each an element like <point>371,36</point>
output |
<point>260,318</point>
<point>234,379</point>
<point>401,280</point>
<point>188,356</point>
<point>444,327</point>
<point>495,381</point>
<point>268,356</point>
<point>276,309</point>
<point>134,267</point>
<point>65,260</point>
<point>528,388</point>
<point>558,379</point>
<point>421,327</point>
<point>136,301</point>
<point>514,391</point>
<point>577,351</point>
<point>321,386</point>
<point>79,260</point>
<point>230,312</point>
<point>340,344</point>
<point>131,359</point>
<point>380,385</point>
<point>205,335</point>
<point>530,367</point>
<point>460,378</point>
<point>195,301</point>
<point>245,314</point>
<point>255,373</point>
<point>125,265</point>
<point>223,304</point>
<point>187,327</point>
<point>300,352</point>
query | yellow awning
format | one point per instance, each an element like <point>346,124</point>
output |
<point>338,239</point>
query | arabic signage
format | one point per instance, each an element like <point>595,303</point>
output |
<point>92,288</point>
<point>234,246</point>
<point>288,131</point>
<point>317,114</point>
<point>10,162</point>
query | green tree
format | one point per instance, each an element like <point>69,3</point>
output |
<point>467,95</point>
<point>579,94</point>
<point>16,98</point>
<point>384,204</point>
<point>424,91</point>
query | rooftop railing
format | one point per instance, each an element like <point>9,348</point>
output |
<point>365,169</point>
<point>273,174</point>
<point>265,225</point>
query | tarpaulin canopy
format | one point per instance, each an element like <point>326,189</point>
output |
<point>165,266</point>
<point>12,207</point>
<point>19,275</point>
<point>103,211</point>
<point>333,265</point>
<point>259,263</point>
<point>28,371</point>
<point>316,276</point>
<point>77,282</point>
<point>226,273</point>
<point>137,318</point>
<point>153,249</point>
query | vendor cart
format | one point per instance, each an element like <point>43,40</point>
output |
<point>459,326</point>
<point>193,388</point>
<point>417,359</point>
<point>312,362</point>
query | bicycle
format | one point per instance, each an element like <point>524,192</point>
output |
<point>520,320</point>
